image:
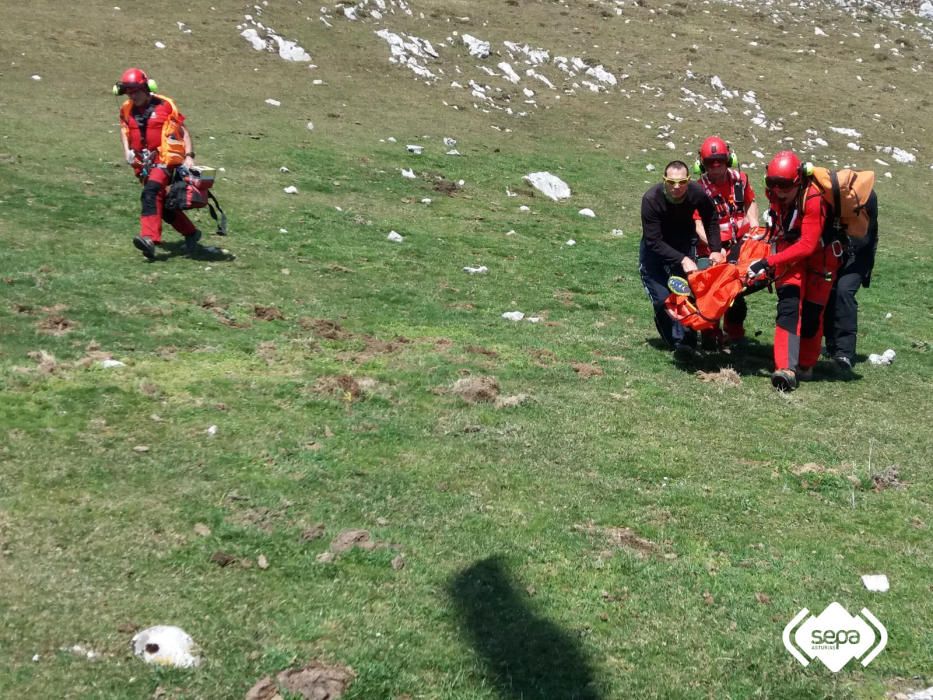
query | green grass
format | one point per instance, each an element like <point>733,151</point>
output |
<point>507,589</point>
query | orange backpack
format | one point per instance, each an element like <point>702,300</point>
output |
<point>847,192</point>
<point>172,146</point>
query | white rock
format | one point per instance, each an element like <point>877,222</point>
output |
<point>481,270</point>
<point>510,233</point>
<point>549,185</point>
<point>110,364</point>
<point>617,232</point>
<point>414,148</point>
<point>408,173</point>
<point>888,315</point>
<point>477,47</point>
<point>928,693</point>
<point>283,169</point>
<point>36,77</point>
<point>283,230</point>
<point>885,358</point>
<point>926,10</point>
<point>159,45</point>
<point>391,139</point>
<point>35,657</point>
<point>649,168</point>
<point>310,126</point>
<point>889,355</point>
<point>818,31</point>
<point>524,207</point>
<point>876,582</point>
<point>571,242</point>
<point>453,152</point>
<point>533,319</point>
<point>853,146</point>
<point>212,431</point>
<point>845,131</point>
<point>291,189</point>
<point>449,142</point>
<point>426,200</point>
<point>513,315</point>
<point>587,212</point>
<point>395,237</point>
<point>274,103</point>
<point>165,645</point>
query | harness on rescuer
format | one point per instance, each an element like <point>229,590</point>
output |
<point>171,148</point>
<point>729,209</point>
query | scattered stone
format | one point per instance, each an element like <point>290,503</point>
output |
<point>513,315</point>
<point>165,645</point>
<point>111,364</point>
<point>885,358</point>
<point>141,448</point>
<point>549,185</point>
<point>262,562</point>
<point>291,189</point>
<point>481,270</point>
<point>274,103</point>
<point>587,212</point>
<point>395,237</point>
<point>877,583</point>
<point>414,148</point>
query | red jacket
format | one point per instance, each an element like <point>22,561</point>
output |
<point>156,127</point>
<point>797,228</point>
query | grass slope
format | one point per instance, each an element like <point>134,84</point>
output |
<point>636,533</point>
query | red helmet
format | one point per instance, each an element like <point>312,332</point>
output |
<point>715,148</point>
<point>132,79</point>
<point>784,169</point>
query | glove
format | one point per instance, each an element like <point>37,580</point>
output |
<point>130,156</point>
<point>759,268</point>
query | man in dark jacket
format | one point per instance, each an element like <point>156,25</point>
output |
<point>668,245</point>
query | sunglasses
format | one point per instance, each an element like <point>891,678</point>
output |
<point>712,162</point>
<point>780,183</point>
<point>676,181</point>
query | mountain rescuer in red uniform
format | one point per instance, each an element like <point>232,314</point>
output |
<point>732,193</point>
<point>802,265</point>
<point>155,143</point>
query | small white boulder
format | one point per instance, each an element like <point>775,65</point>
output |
<point>876,582</point>
<point>165,645</point>
<point>274,103</point>
<point>587,212</point>
<point>111,364</point>
<point>513,315</point>
<point>395,237</point>
<point>291,189</point>
<point>549,185</point>
<point>481,270</point>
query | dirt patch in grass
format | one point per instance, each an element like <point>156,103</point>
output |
<point>324,328</point>
<point>478,350</point>
<point>724,377</point>
<point>338,385</point>
<point>812,468</point>
<point>45,361</point>
<point>585,370</point>
<point>512,401</point>
<point>477,389</point>
<point>888,478</point>
<point>543,358</point>
<point>316,681</point>
<point>354,539</point>
<point>315,532</point>
<point>620,538</point>
<point>445,186</point>
<point>267,313</point>
<point>56,325</point>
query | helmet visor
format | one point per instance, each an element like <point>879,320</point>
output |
<point>780,183</point>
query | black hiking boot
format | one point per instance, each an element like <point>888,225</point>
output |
<point>145,244</point>
<point>784,380</point>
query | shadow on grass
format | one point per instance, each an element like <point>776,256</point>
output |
<point>174,249</point>
<point>526,656</point>
<point>753,359</point>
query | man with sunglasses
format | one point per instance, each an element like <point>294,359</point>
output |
<point>155,143</point>
<point>803,267</point>
<point>732,193</point>
<point>668,246</point>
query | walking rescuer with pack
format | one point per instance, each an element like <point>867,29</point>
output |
<point>668,245</point>
<point>803,263</point>
<point>155,143</point>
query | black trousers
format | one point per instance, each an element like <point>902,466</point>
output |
<point>840,323</point>
<point>654,275</point>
